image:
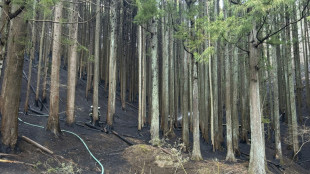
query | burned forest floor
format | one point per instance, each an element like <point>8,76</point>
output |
<point>130,152</point>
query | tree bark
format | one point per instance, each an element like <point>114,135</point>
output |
<point>154,130</point>
<point>257,153</point>
<point>4,32</point>
<point>53,119</point>
<point>230,151</point>
<point>40,62</point>
<point>72,63</point>
<point>32,52</point>
<point>140,49</point>
<point>11,86</point>
<point>196,134</point>
<point>112,65</point>
<point>278,154</point>
<point>95,116</point>
<point>235,114</point>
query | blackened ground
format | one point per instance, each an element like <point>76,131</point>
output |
<point>70,156</point>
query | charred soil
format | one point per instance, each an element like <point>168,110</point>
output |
<point>116,155</point>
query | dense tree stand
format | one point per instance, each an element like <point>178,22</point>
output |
<point>170,73</point>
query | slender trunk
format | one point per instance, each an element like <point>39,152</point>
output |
<point>154,86</point>
<point>143,77</point>
<point>257,153</point>
<point>306,63</point>
<point>165,79</point>
<point>292,104</point>
<point>172,109</point>
<point>46,63</point>
<point>95,115</point>
<point>244,96</point>
<point>4,32</point>
<point>53,119</point>
<point>214,116</point>
<point>292,118</point>
<point>235,114</point>
<point>230,151</point>
<point>40,62</point>
<point>123,68</point>
<point>32,52</point>
<point>112,65</point>
<point>72,63</point>
<point>140,121</point>
<point>196,134</point>
<point>185,120</point>
<point>299,86</point>
<point>276,120</point>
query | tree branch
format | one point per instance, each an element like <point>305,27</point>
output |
<point>16,13</point>
<point>242,49</point>
<point>303,15</point>
<point>234,2</point>
<point>260,28</point>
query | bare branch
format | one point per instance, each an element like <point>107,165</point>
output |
<point>242,49</point>
<point>303,15</point>
<point>16,13</point>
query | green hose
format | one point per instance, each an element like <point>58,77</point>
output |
<point>91,154</point>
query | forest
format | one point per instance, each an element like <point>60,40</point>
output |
<point>154,86</point>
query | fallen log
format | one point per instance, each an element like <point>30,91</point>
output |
<point>16,162</point>
<point>93,127</point>
<point>35,111</point>
<point>297,162</point>
<point>5,154</point>
<point>37,145</point>
<point>113,132</point>
<point>122,138</point>
<point>166,151</point>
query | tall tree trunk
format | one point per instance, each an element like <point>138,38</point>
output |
<point>172,98</point>
<point>299,86</point>
<point>292,104</point>
<point>11,86</point>
<point>214,116</point>
<point>235,114</point>
<point>165,78</point>
<point>89,32</point>
<point>229,135</point>
<point>154,130</point>
<point>196,134</point>
<point>140,50</point>
<point>112,63</point>
<point>306,63</point>
<point>244,99</point>
<point>32,52</point>
<point>4,30</point>
<point>257,153</point>
<point>278,154</point>
<point>185,120</point>
<point>47,51</point>
<point>40,62</point>
<point>72,63</point>
<point>95,116</point>
<point>185,98</point>
<point>53,119</point>
<point>293,133</point>
<point>144,75</point>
